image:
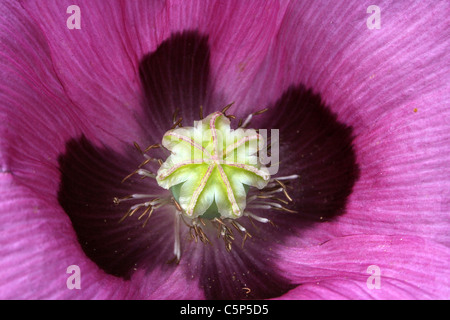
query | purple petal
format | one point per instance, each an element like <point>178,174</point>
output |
<point>389,85</point>
<point>329,48</point>
<point>94,64</point>
<point>239,35</point>
<point>400,145</point>
<point>34,105</point>
<point>38,244</point>
<point>98,64</point>
<point>409,268</point>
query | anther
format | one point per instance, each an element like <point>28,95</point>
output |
<point>260,111</point>
<point>177,123</point>
<point>153,146</point>
<point>145,212</point>
<point>175,115</point>
<point>177,205</point>
<point>201,112</point>
<point>246,235</point>
<point>134,209</point>
<point>149,215</point>
<point>287,195</point>
<point>138,148</point>
<point>284,189</point>
<point>219,221</point>
<point>201,221</point>
<point>129,176</point>
<point>286,209</point>
<point>124,217</point>
<point>144,163</point>
<point>228,106</point>
<point>250,117</point>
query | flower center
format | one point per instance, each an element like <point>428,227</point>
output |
<point>215,177</point>
<point>211,166</point>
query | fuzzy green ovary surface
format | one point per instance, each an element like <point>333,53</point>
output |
<point>211,166</point>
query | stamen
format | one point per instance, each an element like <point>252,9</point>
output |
<point>260,111</point>
<point>266,207</point>
<point>175,115</point>
<point>228,106</point>
<point>247,121</point>
<point>129,176</point>
<point>153,146</point>
<point>203,236</point>
<point>210,169</point>
<point>274,191</point>
<point>201,221</point>
<point>142,196</point>
<point>148,218</point>
<point>124,217</point>
<point>146,173</point>
<point>257,218</point>
<point>250,117</point>
<point>246,235</point>
<point>287,195</point>
<point>146,161</point>
<point>281,183</point>
<point>146,156</point>
<point>219,221</point>
<point>133,210</point>
<point>286,209</point>
<point>128,214</point>
<point>177,123</point>
<point>199,232</point>
<point>193,235</point>
<point>177,244</point>
<point>291,177</point>
<point>138,148</point>
<point>177,205</point>
<point>238,226</point>
<point>201,112</point>
<point>245,238</point>
<point>284,189</point>
<point>281,200</point>
<point>145,212</point>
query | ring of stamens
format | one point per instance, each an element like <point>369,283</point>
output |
<point>267,198</point>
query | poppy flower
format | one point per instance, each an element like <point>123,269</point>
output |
<point>358,205</point>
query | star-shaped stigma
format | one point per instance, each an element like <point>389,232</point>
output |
<point>211,167</point>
